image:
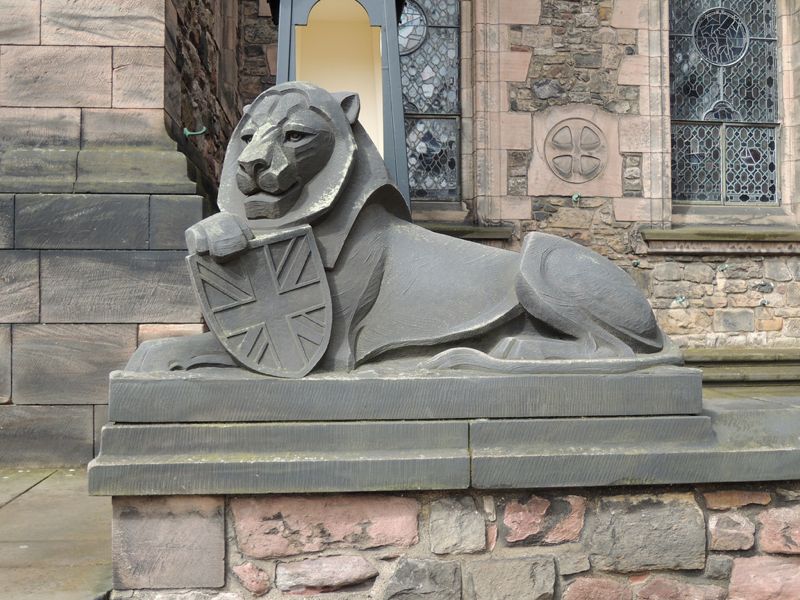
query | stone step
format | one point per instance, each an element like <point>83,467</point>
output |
<point>234,395</point>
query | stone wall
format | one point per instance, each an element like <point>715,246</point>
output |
<point>94,198</point>
<point>202,81</point>
<point>739,543</point>
<point>553,72</point>
<point>701,299</point>
<point>258,49</point>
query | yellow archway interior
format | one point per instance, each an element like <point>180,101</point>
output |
<point>340,51</point>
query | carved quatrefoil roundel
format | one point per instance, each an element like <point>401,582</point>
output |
<point>576,150</point>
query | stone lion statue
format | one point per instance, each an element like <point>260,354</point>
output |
<point>305,192</point>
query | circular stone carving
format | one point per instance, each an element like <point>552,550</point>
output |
<point>413,27</point>
<point>721,36</point>
<point>576,150</point>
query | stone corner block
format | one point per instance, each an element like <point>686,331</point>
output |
<point>168,542</point>
<point>649,532</point>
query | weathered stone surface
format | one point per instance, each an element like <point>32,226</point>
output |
<point>524,521</point>
<point>19,22</point>
<point>570,558</point>
<point>155,331</point>
<point>5,363</point>
<point>68,364</point>
<point>643,533</point>
<point>540,520</point>
<point>424,580</point>
<point>765,578</point>
<point>19,276</point>
<point>6,221</point>
<point>35,170</point>
<point>124,127</point>
<point>457,527</point>
<point>55,76</point>
<point>664,588</point>
<point>255,580</point>
<point>326,574</point>
<point>132,171</point>
<point>168,542</point>
<point>597,588</point>
<point>699,273</point>
<point>731,531</point>
<point>116,287</point>
<point>192,595</point>
<point>780,530</point>
<point>25,127</point>
<point>668,271</point>
<point>324,398</point>
<point>734,320</point>
<point>290,458</point>
<point>103,23</point>
<point>80,221</point>
<point>100,419</point>
<point>568,528</point>
<point>275,526</point>
<point>170,217</point>
<point>28,433</point>
<point>515,579</point>
<point>718,567</point>
<point>138,78</point>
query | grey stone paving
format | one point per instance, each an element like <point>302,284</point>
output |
<point>55,540</point>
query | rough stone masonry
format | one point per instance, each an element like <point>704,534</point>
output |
<point>680,543</point>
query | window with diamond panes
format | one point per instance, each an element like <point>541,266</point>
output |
<point>429,69</point>
<point>724,99</point>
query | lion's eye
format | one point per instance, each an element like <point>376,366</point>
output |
<point>247,138</point>
<point>294,136</point>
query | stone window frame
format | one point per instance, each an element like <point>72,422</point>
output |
<point>788,153</point>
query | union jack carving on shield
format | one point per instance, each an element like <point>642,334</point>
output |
<point>271,306</point>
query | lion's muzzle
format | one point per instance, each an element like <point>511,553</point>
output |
<point>264,167</point>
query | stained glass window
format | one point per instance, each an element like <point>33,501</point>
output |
<point>724,99</point>
<point>429,70</point>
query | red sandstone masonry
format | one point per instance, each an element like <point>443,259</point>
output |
<point>276,526</point>
<point>641,547</point>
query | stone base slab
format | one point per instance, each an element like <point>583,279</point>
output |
<point>234,395</point>
<point>735,439</point>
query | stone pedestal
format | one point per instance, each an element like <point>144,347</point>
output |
<point>228,485</point>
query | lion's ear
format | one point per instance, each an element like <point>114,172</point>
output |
<point>350,103</point>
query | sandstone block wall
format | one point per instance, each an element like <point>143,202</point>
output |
<point>716,543</point>
<point>94,199</point>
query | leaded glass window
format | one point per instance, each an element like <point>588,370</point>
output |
<point>724,99</point>
<point>429,69</point>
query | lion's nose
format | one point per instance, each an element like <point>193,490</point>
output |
<point>254,165</point>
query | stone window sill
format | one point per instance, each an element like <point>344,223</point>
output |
<point>468,232</point>
<point>731,239</point>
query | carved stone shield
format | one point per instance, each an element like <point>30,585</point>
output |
<point>271,306</point>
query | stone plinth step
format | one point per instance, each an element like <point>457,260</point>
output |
<point>750,439</point>
<point>739,437</point>
<point>234,395</point>
<point>280,457</point>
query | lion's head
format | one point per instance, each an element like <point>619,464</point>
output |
<point>290,155</point>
